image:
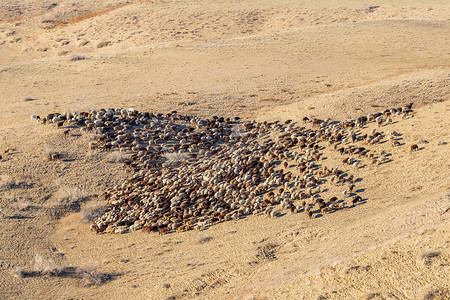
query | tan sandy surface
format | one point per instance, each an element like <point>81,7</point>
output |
<point>263,60</point>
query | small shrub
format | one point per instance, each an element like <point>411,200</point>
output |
<point>18,272</point>
<point>46,266</point>
<point>23,204</point>
<point>237,131</point>
<point>90,275</point>
<point>116,157</point>
<point>7,182</point>
<point>92,211</point>
<point>51,154</point>
<point>76,57</point>
<point>70,195</point>
<point>203,238</point>
<point>175,157</point>
<point>103,44</point>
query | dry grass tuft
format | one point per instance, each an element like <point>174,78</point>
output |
<point>103,44</point>
<point>92,211</point>
<point>77,57</point>
<point>18,272</point>
<point>237,131</point>
<point>23,204</point>
<point>91,276</point>
<point>8,182</point>
<point>173,157</point>
<point>70,195</point>
<point>203,238</point>
<point>116,157</point>
<point>46,266</point>
<point>50,154</point>
<point>436,294</point>
<point>68,199</point>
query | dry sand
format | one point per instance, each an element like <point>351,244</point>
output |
<point>264,60</point>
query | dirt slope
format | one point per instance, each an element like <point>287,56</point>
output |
<point>263,60</point>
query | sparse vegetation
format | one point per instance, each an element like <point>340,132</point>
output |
<point>77,57</point>
<point>116,157</point>
<point>103,44</point>
<point>67,199</point>
<point>51,155</point>
<point>203,238</point>
<point>90,275</point>
<point>173,157</point>
<point>9,182</point>
<point>92,211</point>
<point>69,195</point>
<point>237,131</point>
<point>46,266</point>
<point>18,272</point>
<point>23,204</point>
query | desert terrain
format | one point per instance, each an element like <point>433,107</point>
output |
<point>256,60</point>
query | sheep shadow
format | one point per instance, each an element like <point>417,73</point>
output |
<point>68,159</point>
<point>76,273</point>
<point>385,162</point>
<point>361,202</point>
<point>18,217</point>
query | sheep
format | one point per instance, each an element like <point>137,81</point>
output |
<point>414,147</point>
<point>379,120</point>
<point>356,199</point>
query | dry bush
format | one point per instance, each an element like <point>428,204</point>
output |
<point>237,131</point>
<point>70,195</point>
<point>23,204</point>
<point>173,157</point>
<point>90,275</point>
<point>116,157</point>
<point>92,211</point>
<point>18,272</point>
<point>77,57</point>
<point>9,182</point>
<point>67,199</point>
<point>46,266</point>
<point>103,44</point>
<point>50,154</point>
<point>436,294</point>
<point>91,154</point>
<point>203,238</point>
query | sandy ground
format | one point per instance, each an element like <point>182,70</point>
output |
<point>263,60</point>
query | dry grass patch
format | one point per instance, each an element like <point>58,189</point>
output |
<point>67,199</point>
<point>70,195</point>
<point>76,57</point>
<point>8,182</point>
<point>173,157</point>
<point>116,157</point>
<point>18,272</point>
<point>92,211</point>
<point>90,275</point>
<point>46,266</point>
<point>203,238</point>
